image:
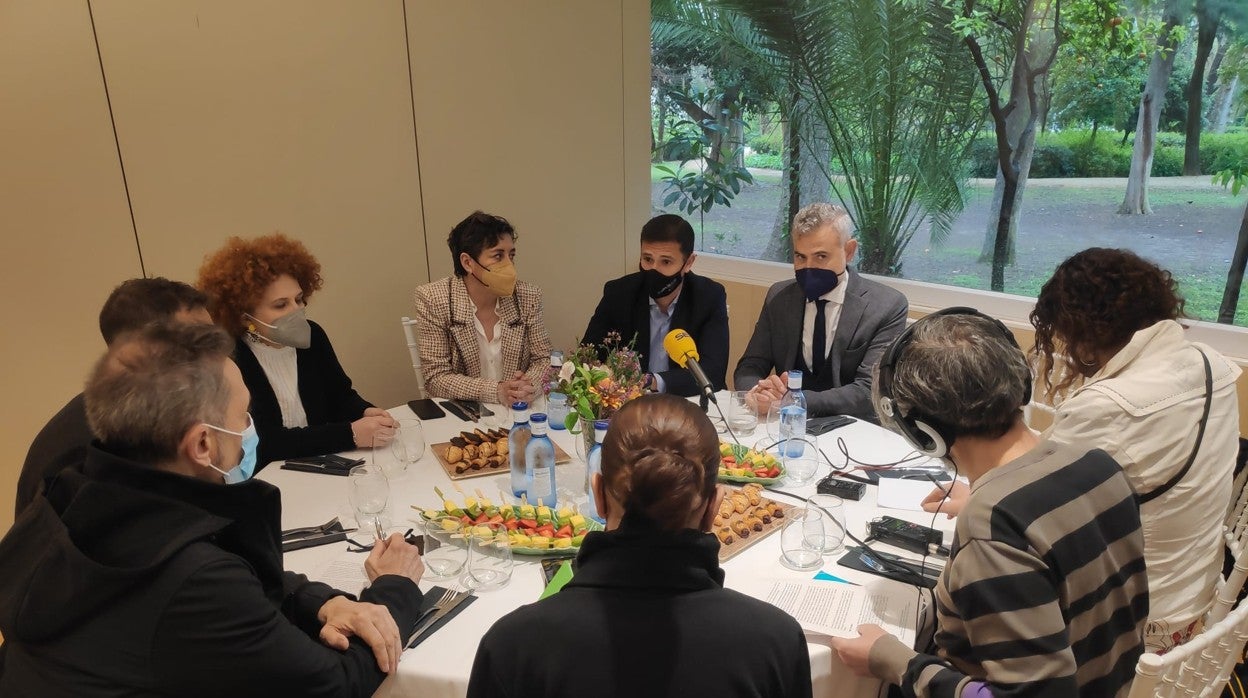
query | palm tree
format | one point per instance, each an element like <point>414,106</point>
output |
<point>892,84</point>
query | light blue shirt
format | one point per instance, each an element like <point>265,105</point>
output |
<point>660,325</point>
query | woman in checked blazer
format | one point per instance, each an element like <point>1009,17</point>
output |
<point>482,335</point>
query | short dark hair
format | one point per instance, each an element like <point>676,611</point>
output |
<point>153,384</point>
<point>475,233</point>
<point>669,227</point>
<point>139,302</point>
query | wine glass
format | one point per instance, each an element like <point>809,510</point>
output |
<point>832,509</point>
<point>408,445</point>
<point>369,492</point>
<point>446,549</point>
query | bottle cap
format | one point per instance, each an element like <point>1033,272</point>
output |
<point>795,380</point>
<point>520,405</point>
<point>538,417</point>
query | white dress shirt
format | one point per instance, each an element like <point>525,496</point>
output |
<point>281,367</point>
<point>833,310</point>
<point>490,350</point>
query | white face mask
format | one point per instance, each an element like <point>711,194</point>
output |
<point>290,330</point>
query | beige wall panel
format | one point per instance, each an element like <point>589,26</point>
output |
<point>241,118</point>
<point>521,114</point>
<point>65,234</point>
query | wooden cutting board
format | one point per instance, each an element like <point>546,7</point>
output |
<point>439,451</point>
<point>739,544</point>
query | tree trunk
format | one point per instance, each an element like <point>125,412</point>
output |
<point>1221,106</point>
<point>1211,79</point>
<point>1095,126</point>
<point>807,183</point>
<point>1010,194</point>
<point>1021,132</point>
<point>1208,29</point>
<point>1151,101</point>
<point>656,149</point>
<point>1235,275</point>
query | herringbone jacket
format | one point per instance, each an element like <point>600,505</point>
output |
<point>449,355</point>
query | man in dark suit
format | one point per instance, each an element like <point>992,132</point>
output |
<point>829,323</point>
<point>63,440</point>
<point>664,295</point>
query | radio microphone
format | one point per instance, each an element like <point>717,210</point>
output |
<point>682,349</point>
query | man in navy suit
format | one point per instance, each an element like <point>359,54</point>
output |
<point>829,323</point>
<point>664,295</point>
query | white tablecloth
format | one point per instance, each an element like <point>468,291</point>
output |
<point>439,667</point>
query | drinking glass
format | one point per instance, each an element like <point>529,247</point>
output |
<point>369,492</point>
<point>499,416</point>
<point>742,419</point>
<point>801,540</point>
<point>489,557</point>
<point>446,548</point>
<point>408,445</point>
<point>832,509</point>
<point>801,469</point>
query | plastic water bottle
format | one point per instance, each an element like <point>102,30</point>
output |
<point>539,463</point>
<point>593,466</point>
<point>517,440</point>
<point>793,417</point>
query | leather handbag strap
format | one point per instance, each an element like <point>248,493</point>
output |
<point>1200,436</point>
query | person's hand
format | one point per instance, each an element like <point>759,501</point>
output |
<point>768,391</point>
<point>343,618</point>
<point>854,651</point>
<point>516,389</point>
<point>378,412</point>
<point>394,556</point>
<point>952,506</point>
<point>373,430</point>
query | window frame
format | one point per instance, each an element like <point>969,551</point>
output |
<point>1229,340</point>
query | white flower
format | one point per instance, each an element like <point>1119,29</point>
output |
<point>566,372</point>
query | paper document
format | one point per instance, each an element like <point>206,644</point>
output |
<point>896,493</point>
<point>344,573</point>
<point>838,609</point>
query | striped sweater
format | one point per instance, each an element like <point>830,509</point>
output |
<point>1044,593</point>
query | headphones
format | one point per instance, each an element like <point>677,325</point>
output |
<point>928,435</point>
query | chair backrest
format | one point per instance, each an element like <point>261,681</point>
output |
<point>409,331</point>
<point>1198,669</point>
<point>1236,531</point>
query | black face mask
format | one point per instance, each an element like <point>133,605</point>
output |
<point>657,285</point>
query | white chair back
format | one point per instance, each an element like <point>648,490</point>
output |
<point>1198,669</point>
<point>1236,532</point>
<point>413,350</point>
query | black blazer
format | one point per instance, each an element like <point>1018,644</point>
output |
<point>701,310</point>
<point>328,399</point>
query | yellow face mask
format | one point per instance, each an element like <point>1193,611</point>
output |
<point>501,279</point>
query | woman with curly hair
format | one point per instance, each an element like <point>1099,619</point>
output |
<point>646,612</point>
<point>1122,376</point>
<point>302,401</point>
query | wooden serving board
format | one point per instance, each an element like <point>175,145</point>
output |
<point>439,451</point>
<point>727,552</point>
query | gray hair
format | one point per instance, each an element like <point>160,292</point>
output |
<point>962,374</point>
<point>813,217</point>
<point>154,384</point>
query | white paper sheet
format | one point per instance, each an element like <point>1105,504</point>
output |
<point>344,573</point>
<point>837,610</point>
<point>907,495</point>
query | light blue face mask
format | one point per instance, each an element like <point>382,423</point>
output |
<point>247,466</point>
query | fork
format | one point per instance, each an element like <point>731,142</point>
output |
<point>447,597</point>
<point>297,532</point>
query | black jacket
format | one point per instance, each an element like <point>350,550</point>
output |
<point>646,614</point>
<point>328,399</point>
<point>701,310</point>
<point>126,580</point>
<point>61,442</point>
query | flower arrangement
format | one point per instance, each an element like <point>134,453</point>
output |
<point>595,387</point>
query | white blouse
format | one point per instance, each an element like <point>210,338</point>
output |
<point>281,367</point>
<point>490,350</point>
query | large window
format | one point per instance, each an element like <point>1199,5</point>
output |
<point>727,91</point>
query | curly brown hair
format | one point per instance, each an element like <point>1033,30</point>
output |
<point>1096,300</point>
<point>235,277</point>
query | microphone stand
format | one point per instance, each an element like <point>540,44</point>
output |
<point>704,403</point>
